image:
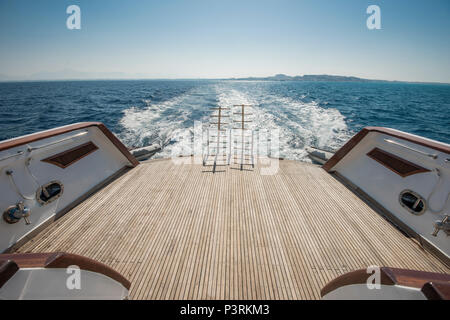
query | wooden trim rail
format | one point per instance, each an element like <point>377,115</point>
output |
<point>61,130</point>
<point>8,268</point>
<point>388,276</point>
<point>63,260</point>
<point>436,290</point>
<point>342,152</point>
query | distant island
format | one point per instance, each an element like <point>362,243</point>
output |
<point>76,75</point>
<point>324,78</point>
<point>308,77</point>
<point>68,75</point>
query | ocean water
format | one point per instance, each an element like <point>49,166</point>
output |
<point>142,112</point>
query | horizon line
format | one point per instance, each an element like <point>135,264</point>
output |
<point>248,78</point>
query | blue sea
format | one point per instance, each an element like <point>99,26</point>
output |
<point>142,112</point>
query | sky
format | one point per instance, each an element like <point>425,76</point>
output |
<point>227,38</point>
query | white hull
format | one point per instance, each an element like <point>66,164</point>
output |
<point>375,174</point>
<point>30,172</point>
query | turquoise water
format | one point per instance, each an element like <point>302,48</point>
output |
<point>321,114</point>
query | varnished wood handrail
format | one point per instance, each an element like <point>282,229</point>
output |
<point>8,144</point>
<point>436,290</point>
<point>63,260</point>
<point>8,268</point>
<point>388,276</point>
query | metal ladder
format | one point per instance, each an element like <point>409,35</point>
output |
<point>243,152</point>
<point>220,143</point>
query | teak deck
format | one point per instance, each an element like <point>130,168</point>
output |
<point>178,232</point>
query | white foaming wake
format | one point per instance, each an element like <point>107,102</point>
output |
<point>170,123</point>
<point>165,124</point>
<point>300,124</point>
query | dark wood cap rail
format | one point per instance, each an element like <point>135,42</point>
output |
<point>388,276</point>
<point>342,152</point>
<point>77,126</point>
<point>7,269</point>
<point>436,290</point>
<point>64,260</point>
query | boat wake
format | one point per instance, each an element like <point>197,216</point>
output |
<point>170,123</point>
<point>300,124</point>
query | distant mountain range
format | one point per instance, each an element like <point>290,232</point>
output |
<point>308,77</point>
<point>77,75</point>
<point>68,74</point>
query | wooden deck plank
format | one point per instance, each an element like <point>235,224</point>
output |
<point>180,232</point>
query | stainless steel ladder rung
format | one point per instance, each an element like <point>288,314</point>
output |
<point>214,140</point>
<point>243,149</point>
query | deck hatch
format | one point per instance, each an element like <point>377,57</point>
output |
<point>69,157</point>
<point>396,164</point>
